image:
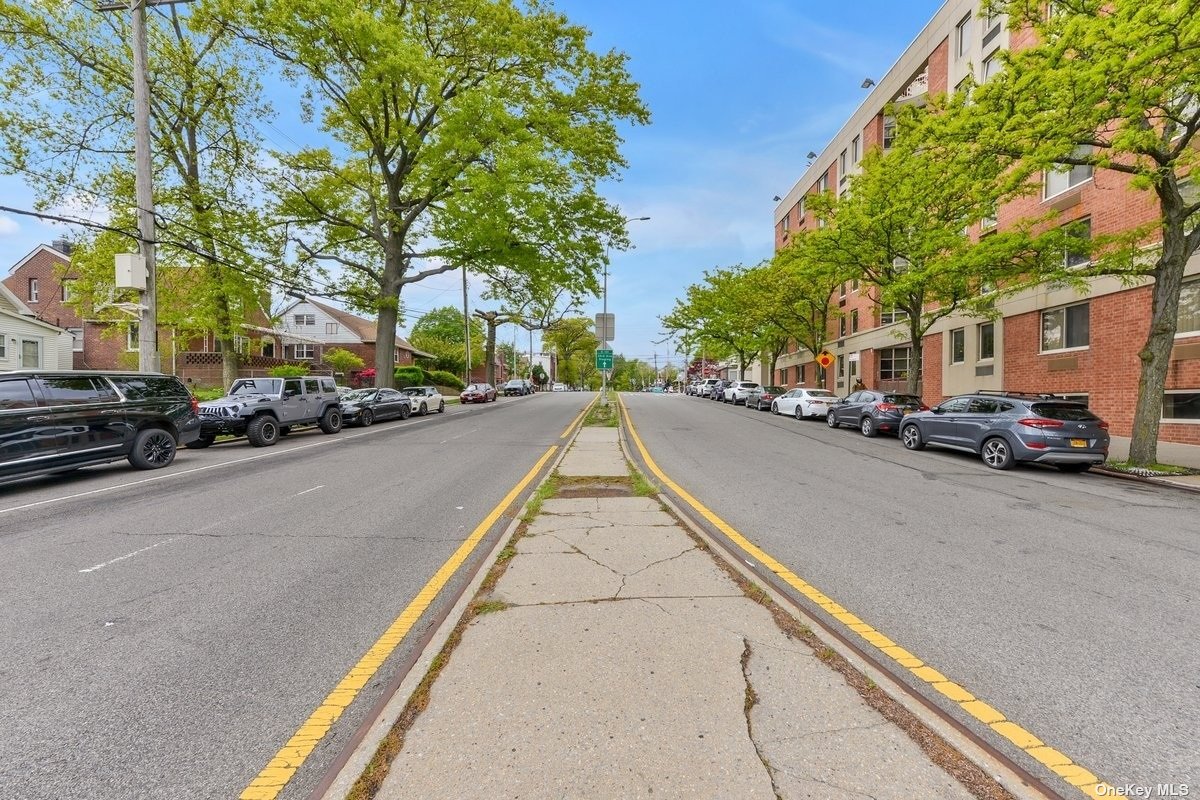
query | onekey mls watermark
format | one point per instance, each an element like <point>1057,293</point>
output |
<point>1145,790</point>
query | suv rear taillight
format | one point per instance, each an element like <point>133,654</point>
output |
<point>886,406</point>
<point>1102,425</point>
<point>1039,422</point>
<point>195,404</point>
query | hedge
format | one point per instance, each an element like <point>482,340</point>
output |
<point>411,376</point>
<point>443,378</point>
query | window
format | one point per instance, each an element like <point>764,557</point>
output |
<point>33,290</point>
<point>304,351</point>
<point>397,355</point>
<point>1065,328</point>
<point>983,405</point>
<point>304,319</point>
<point>268,349</point>
<point>77,391</point>
<point>133,337</point>
<point>892,314</point>
<point>68,291</point>
<point>800,215</point>
<point>841,327</point>
<point>1078,255</point>
<point>16,394</point>
<point>3,346</point>
<point>958,346</point>
<point>889,132</point>
<point>842,291</point>
<point>823,182</point>
<point>991,66</point>
<point>842,167</point>
<point>991,26</point>
<point>142,388</point>
<point>854,284</point>
<point>854,321</point>
<point>962,36</point>
<point>800,370</point>
<point>1059,181</point>
<point>988,220</point>
<point>841,373</point>
<point>1178,406</point>
<point>856,150</point>
<point>332,327</point>
<point>987,341</point>
<point>1189,307</point>
<point>292,386</point>
<point>76,339</point>
<point>312,386</point>
<point>894,363</point>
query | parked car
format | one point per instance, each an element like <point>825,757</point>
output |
<point>873,412</point>
<point>367,406</point>
<point>518,387</point>
<point>1010,427</point>
<point>762,397</point>
<point>716,391</point>
<point>478,393</point>
<point>425,399</point>
<point>704,387</point>
<point>60,421</point>
<point>263,409</point>
<point>737,391</point>
<point>802,403</point>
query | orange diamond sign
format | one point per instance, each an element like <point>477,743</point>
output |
<point>825,359</point>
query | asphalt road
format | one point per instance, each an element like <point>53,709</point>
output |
<point>1069,602</point>
<point>165,633</point>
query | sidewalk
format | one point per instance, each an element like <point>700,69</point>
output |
<point>617,659</point>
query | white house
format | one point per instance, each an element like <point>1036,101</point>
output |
<point>333,327</point>
<point>28,343</point>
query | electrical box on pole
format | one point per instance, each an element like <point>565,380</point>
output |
<point>131,271</point>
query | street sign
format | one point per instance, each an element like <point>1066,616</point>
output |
<point>604,359</point>
<point>606,327</point>
<point>825,359</point>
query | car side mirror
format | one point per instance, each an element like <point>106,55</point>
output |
<point>936,409</point>
<point>290,393</point>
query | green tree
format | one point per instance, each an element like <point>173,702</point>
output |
<point>573,341</point>
<point>441,333</point>
<point>464,132</point>
<point>1108,86</point>
<point>65,90</point>
<point>714,313</point>
<point>343,360</point>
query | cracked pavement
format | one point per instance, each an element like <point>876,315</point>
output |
<point>626,663</point>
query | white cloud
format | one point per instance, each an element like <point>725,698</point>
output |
<point>845,50</point>
<point>84,207</point>
<point>8,226</point>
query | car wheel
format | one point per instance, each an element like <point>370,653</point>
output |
<point>153,448</point>
<point>912,438</point>
<point>1076,468</point>
<point>867,426</point>
<point>263,431</point>
<point>405,411</point>
<point>800,412</point>
<point>366,418</point>
<point>997,454</point>
<point>758,405</point>
<point>774,408</point>
<point>201,443</point>
<point>831,419</point>
<point>331,420</point>
<point>422,411</point>
<point>442,407</point>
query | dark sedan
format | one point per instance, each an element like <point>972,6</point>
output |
<point>366,406</point>
<point>762,397</point>
<point>872,412</point>
<point>478,393</point>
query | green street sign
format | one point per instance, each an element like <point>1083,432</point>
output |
<point>604,359</point>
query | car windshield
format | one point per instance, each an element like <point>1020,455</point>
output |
<point>820,393</point>
<point>412,391</point>
<point>256,386</point>
<point>513,384</point>
<point>1070,412</point>
<point>474,387</point>
<point>359,395</point>
<point>748,385</point>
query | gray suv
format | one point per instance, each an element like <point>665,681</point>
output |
<point>263,409</point>
<point>1006,427</point>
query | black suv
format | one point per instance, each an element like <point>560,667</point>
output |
<point>60,421</point>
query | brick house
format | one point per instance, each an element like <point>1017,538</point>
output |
<point>326,327</point>
<point>1052,339</point>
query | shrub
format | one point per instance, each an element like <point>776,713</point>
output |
<point>343,360</point>
<point>410,376</point>
<point>448,379</point>
<point>288,371</point>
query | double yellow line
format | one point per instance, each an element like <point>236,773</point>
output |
<point>280,769</point>
<point>1057,762</point>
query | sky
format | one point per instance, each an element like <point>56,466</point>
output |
<point>738,93</point>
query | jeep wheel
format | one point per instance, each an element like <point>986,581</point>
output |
<point>331,420</point>
<point>422,411</point>
<point>201,443</point>
<point>263,431</point>
<point>442,405</point>
<point>152,448</point>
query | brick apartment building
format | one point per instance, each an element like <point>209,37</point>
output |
<point>1048,339</point>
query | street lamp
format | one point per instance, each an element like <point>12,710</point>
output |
<point>604,344</point>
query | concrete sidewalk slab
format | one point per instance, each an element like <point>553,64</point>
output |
<point>596,452</point>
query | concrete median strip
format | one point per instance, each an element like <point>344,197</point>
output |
<point>610,654</point>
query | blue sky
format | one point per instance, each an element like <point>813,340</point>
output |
<point>739,93</point>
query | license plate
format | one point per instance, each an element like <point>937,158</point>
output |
<point>1079,443</point>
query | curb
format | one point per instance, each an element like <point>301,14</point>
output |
<point>1163,481</point>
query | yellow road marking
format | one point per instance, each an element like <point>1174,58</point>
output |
<point>1060,764</point>
<point>280,769</point>
<point>575,421</point>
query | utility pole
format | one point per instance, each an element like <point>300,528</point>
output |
<point>466,329</point>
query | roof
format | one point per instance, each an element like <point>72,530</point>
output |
<point>41,248</point>
<point>364,328</point>
<point>31,320</point>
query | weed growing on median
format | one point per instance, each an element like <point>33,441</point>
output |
<point>604,415</point>
<point>489,607</point>
<point>642,487</point>
<point>543,493</point>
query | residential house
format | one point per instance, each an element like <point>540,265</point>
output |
<point>27,342</point>
<point>325,327</point>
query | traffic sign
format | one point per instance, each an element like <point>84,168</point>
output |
<point>606,327</point>
<point>825,359</point>
<point>604,359</point>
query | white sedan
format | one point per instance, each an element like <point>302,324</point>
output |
<point>801,403</point>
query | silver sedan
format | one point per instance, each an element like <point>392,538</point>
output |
<point>801,403</point>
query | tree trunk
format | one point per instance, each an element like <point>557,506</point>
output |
<point>916,335</point>
<point>1155,355</point>
<point>389,312</point>
<point>489,352</point>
